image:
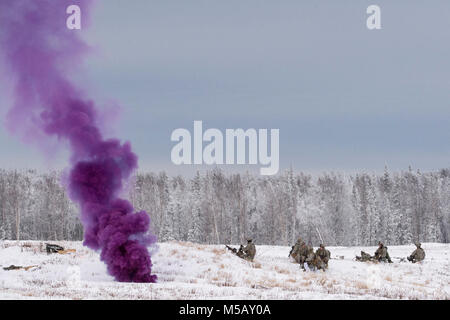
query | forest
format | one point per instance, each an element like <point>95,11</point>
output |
<point>214,207</point>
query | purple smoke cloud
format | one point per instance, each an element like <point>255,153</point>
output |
<point>39,55</point>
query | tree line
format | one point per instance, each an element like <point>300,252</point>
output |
<point>215,208</point>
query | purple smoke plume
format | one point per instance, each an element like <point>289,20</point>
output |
<point>39,55</point>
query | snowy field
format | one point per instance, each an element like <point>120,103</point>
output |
<point>192,271</point>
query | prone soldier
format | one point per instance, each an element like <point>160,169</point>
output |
<point>364,257</point>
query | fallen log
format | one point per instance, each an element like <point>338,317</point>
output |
<point>66,251</point>
<point>13,267</point>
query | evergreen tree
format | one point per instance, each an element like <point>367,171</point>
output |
<point>195,231</point>
<point>168,228</point>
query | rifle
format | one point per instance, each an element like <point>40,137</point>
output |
<point>53,248</point>
<point>231,249</point>
<point>400,258</point>
<point>240,253</point>
<point>290,252</point>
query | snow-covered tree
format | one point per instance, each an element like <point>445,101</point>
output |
<point>215,207</point>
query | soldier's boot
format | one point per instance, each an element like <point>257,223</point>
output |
<point>388,257</point>
<point>302,265</point>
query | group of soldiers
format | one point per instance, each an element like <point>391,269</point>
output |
<point>307,258</point>
<point>382,255</point>
<point>301,252</point>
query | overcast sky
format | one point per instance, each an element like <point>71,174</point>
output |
<point>344,97</point>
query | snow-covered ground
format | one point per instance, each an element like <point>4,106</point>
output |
<point>192,271</point>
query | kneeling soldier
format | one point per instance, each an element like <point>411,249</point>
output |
<point>295,251</point>
<point>249,250</point>
<point>324,254</point>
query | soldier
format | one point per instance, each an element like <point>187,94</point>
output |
<point>323,254</point>
<point>249,250</point>
<point>314,261</point>
<point>381,254</point>
<point>418,254</point>
<point>319,263</point>
<point>303,252</point>
<point>364,257</point>
<point>295,251</point>
<point>309,257</point>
